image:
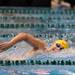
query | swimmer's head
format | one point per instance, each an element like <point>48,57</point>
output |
<point>58,45</point>
<point>62,43</point>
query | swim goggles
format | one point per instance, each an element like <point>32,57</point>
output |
<point>59,46</point>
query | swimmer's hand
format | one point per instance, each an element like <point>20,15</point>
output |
<point>4,46</point>
<point>51,50</point>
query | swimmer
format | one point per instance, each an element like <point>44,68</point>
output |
<point>38,45</point>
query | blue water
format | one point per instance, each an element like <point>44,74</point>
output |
<point>54,21</point>
<point>36,69</point>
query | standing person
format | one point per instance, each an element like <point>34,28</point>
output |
<point>60,3</point>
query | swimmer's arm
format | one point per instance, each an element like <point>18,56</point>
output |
<point>49,49</point>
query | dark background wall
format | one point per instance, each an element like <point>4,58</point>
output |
<point>72,2</point>
<point>42,3</point>
<point>25,3</point>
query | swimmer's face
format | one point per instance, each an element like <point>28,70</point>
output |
<point>56,47</point>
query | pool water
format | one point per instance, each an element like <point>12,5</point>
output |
<point>37,70</point>
<point>22,47</point>
<point>46,23</point>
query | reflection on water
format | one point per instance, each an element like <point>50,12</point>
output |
<point>37,70</point>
